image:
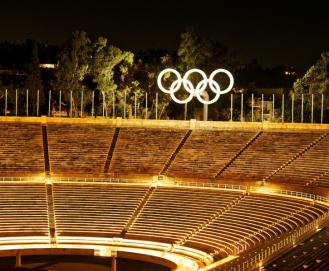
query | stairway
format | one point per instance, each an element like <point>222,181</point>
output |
<point>206,223</point>
<point>253,139</point>
<point>175,153</point>
<point>316,179</point>
<point>51,213</point>
<point>315,142</point>
<point>138,211</point>
<point>45,150</point>
<point>111,150</point>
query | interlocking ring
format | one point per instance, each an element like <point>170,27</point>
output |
<point>199,90</point>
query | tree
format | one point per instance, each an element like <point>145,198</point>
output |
<point>74,60</point>
<point>315,81</point>
<point>33,80</point>
<point>141,79</point>
<point>107,62</point>
<point>207,55</point>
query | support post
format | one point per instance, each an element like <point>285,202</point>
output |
<point>252,107</point>
<point>231,107</point>
<point>282,116</point>
<point>114,262</point>
<point>273,101</point>
<point>146,105</point>
<point>103,103</point>
<point>71,105</point>
<point>18,259</point>
<point>262,107</point>
<point>38,102</point>
<point>93,104</point>
<point>302,110</point>
<point>185,111</point>
<point>292,107</point>
<point>205,112</point>
<point>113,103</point>
<point>205,95</point>
<point>16,103</point>
<point>81,105</point>
<point>49,104</point>
<point>60,104</point>
<point>156,106</point>
<point>241,117</point>
<point>135,113</point>
<point>27,102</point>
<point>312,102</point>
<point>6,102</point>
<point>322,108</point>
<point>124,106</point>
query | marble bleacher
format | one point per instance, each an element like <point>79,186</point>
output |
<point>21,150</point>
<point>307,168</point>
<point>23,210</point>
<point>80,149</point>
<point>172,213</point>
<point>144,151</point>
<point>270,151</point>
<point>94,209</point>
<point>312,254</point>
<point>255,219</point>
<point>207,152</point>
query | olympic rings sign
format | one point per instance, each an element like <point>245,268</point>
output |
<point>197,90</point>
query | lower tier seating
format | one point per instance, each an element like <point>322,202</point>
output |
<point>313,254</point>
<point>23,210</point>
<point>94,210</point>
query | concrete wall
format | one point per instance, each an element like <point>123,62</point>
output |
<point>174,124</point>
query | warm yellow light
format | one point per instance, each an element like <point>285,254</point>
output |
<point>48,66</point>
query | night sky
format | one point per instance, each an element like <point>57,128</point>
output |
<point>274,32</point>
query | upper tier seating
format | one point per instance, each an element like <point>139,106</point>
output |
<point>207,152</point>
<point>21,150</point>
<point>144,151</point>
<point>306,168</point>
<point>270,151</point>
<point>23,209</point>
<point>78,148</point>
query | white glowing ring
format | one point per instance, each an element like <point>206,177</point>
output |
<point>230,76</point>
<point>217,92</point>
<point>192,90</point>
<point>201,86</point>
<point>174,87</point>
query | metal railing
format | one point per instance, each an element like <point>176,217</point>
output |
<point>251,107</point>
<point>178,183</point>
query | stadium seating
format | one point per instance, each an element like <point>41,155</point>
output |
<point>172,213</point>
<point>200,212</point>
<point>21,150</point>
<point>313,254</point>
<point>207,152</point>
<point>256,218</point>
<point>270,151</point>
<point>311,167</point>
<point>79,149</point>
<point>94,210</point>
<point>144,151</point>
<point>23,209</point>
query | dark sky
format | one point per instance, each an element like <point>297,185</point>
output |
<point>274,32</point>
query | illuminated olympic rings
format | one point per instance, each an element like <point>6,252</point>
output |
<point>193,91</point>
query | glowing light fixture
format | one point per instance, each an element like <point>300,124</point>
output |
<point>199,90</point>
